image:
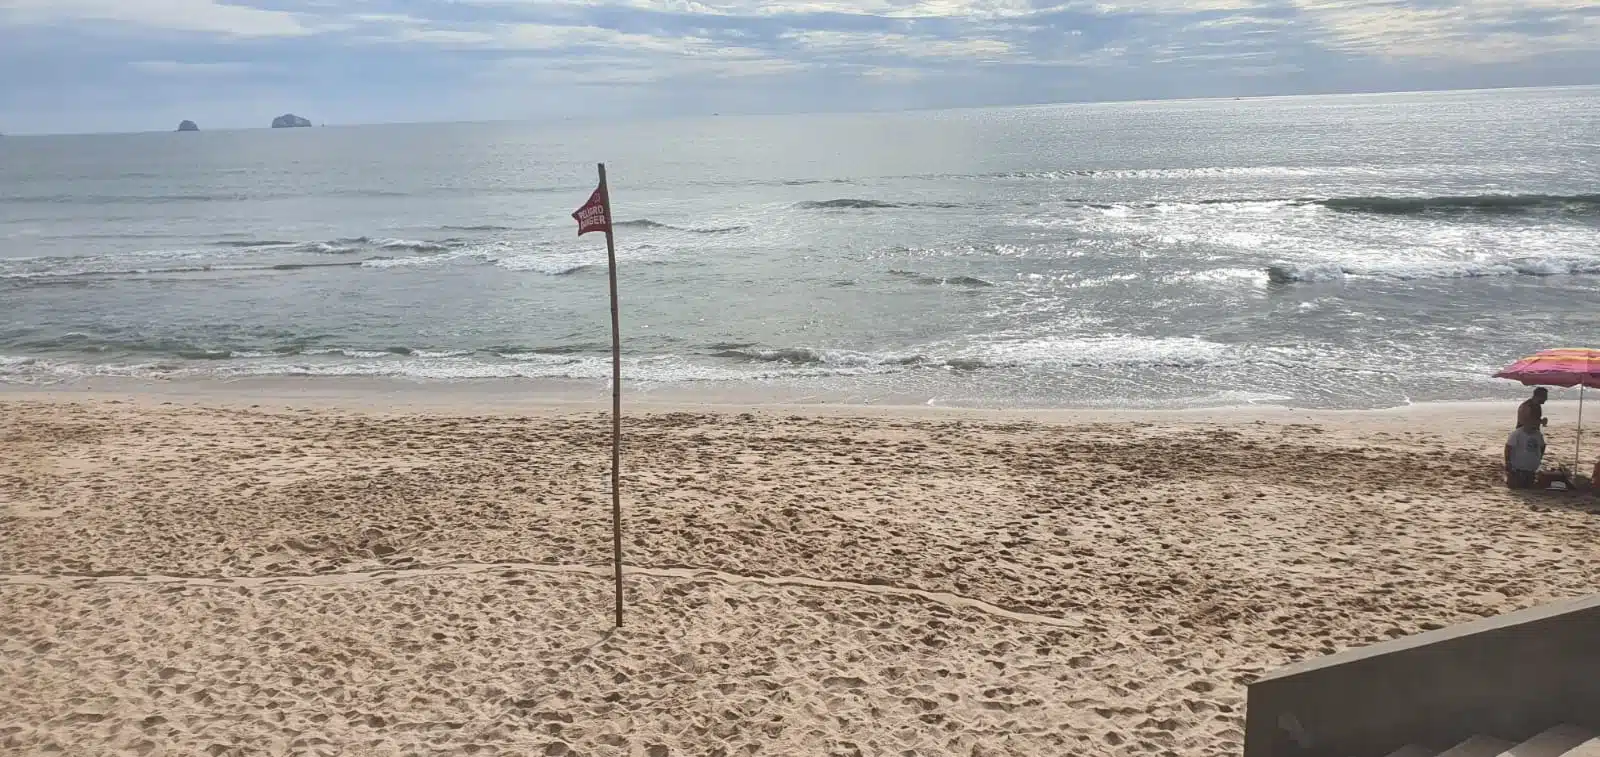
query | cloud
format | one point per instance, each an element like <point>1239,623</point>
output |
<point>1471,31</point>
<point>597,55</point>
<point>381,59</point>
<point>182,68</point>
<point>892,45</point>
<point>624,71</point>
<point>891,75</point>
<point>208,16</point>
<point>1186,7</point>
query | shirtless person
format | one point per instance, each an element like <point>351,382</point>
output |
<point>1532,410</point>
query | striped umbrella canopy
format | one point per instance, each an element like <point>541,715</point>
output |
<point>1568,367</point>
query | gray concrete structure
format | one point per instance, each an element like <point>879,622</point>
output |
<point>1509,677</point>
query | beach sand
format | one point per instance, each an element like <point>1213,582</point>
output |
<point>206,577</point>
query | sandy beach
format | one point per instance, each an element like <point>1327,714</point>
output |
<point>252,574</point>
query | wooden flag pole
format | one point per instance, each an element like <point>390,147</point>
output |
<point>616,404</point>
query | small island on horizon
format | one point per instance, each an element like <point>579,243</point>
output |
<point>188,126</point>
<point>290,121</point>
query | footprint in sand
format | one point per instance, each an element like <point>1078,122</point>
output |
<point>843,682</point>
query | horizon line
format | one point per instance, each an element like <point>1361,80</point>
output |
<point>774,114</point>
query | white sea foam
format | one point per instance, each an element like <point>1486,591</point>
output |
<point>362,354</point>
<point>415,261</point>
<point>1317,305</point>
<point>1105,351</point>
<point>410,244</point>
<point>1226,276</point>
<point>426,366</point>
<point>743,364</point>
<point>658,369</point>
<point>1285,273</point>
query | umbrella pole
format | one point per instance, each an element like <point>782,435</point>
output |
<point>1577,455</point>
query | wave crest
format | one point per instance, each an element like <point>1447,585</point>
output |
<point>845,359</point>
<point>81,274</point>
<point>845,203</point>
<point>970,282</point>
<point>1582,204</point>
<point>850,203</point>
<point>251,244</point>
<point>1289,273</point>
<point>1578,204</point>
<point>645,223</point>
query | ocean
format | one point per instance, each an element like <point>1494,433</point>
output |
<point>1332,251</point>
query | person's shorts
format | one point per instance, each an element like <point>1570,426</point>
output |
<point>1520,479</point>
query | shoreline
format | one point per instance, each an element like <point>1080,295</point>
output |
<point>554,397</point>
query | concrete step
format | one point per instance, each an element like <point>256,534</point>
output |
<point>1478,746</point>
<point>1412,750</point>
<point>1555,742</point>
<point>1590,748</point>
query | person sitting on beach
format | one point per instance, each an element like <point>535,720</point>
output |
<point>1532,409</point>
<point>1524,455</point>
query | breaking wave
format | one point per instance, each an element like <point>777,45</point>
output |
<point>249,244</point>
<point>1051,352</point>
<point>971,282</point>
<point>230,256</point>
<point>76,273</point>
<point>844,204</point>
<point>848,203</point>
<point>1576,204</point>
<point>1287,273</point>
<point>346,246</point>
<point>513,351</point>
<point>645,223</point>
<point>355,244</point>
<point>440,367</point>
<point>544,265</point>
<point>1572,205</point>
<point>286,346</point>
<point>252,195</point>
<point>289,266</point>
<point>53,359</point>
<point>1163,173</point>
<point>842,359</point>
<point>58,274</point>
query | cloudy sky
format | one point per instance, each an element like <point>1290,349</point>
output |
<point>130,65</point>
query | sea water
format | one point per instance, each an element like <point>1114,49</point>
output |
<point>1331,251</point>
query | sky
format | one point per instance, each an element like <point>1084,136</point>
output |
<point>139,65</point>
